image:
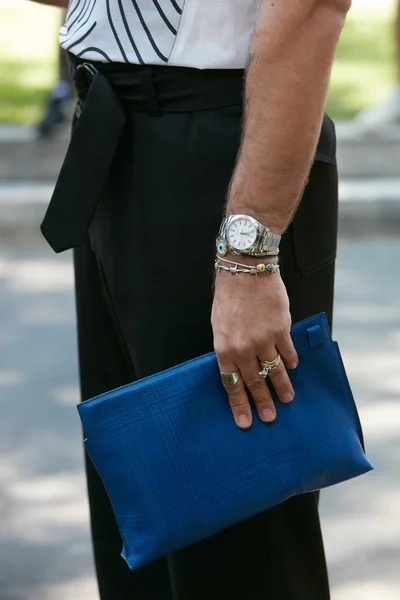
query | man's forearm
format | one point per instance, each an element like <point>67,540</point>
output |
<point>59,3</point>
<point>286,86</point>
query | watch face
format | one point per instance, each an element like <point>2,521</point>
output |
<point>241,233</point>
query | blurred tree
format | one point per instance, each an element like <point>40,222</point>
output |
<point>386,112</point>
<point>56,112</point>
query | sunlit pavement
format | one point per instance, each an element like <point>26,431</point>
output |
<point>45,550</point>
<point>361,519</point>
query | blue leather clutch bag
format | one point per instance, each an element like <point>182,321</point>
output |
<point>177,469</point>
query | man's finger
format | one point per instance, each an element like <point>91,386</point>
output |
<point>288,352</point>
<point>258,389</point>
<point>281,382</point>
<point>237,398</point>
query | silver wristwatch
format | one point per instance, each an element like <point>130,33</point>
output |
<point>243,234</point>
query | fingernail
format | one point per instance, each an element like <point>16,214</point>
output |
<point>243,421</point>
<point>268,415</point>
<point>288,397</point>
<point>293,366</point>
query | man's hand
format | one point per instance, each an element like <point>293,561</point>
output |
<point>251,322</point>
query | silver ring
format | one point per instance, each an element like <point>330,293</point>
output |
<point>267,370</point>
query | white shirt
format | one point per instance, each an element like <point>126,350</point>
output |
<point>205,34</point>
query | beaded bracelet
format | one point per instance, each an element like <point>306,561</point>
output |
<point>235,268</point>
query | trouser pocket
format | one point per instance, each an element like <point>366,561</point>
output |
<point>314,227</point>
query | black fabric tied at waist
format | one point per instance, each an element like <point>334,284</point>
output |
<point>106,92</point>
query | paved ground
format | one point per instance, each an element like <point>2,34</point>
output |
<point>44,542</point>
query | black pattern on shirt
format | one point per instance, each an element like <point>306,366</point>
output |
<point>141,27</point>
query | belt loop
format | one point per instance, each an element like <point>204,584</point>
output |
<point>149,91</point>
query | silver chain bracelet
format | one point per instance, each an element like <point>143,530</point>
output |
<point>235,268</point>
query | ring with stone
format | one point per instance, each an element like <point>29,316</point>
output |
<point>267,366</point>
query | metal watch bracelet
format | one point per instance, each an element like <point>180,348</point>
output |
<point>243,234</point>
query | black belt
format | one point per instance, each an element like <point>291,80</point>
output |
<point>108,92</point>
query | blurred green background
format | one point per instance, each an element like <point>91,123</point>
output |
<point>364,70</point>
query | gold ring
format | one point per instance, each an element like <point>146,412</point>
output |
<point>271,364</point>
<point>230,378</point>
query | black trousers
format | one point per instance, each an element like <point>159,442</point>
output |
<point>144,293</point>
